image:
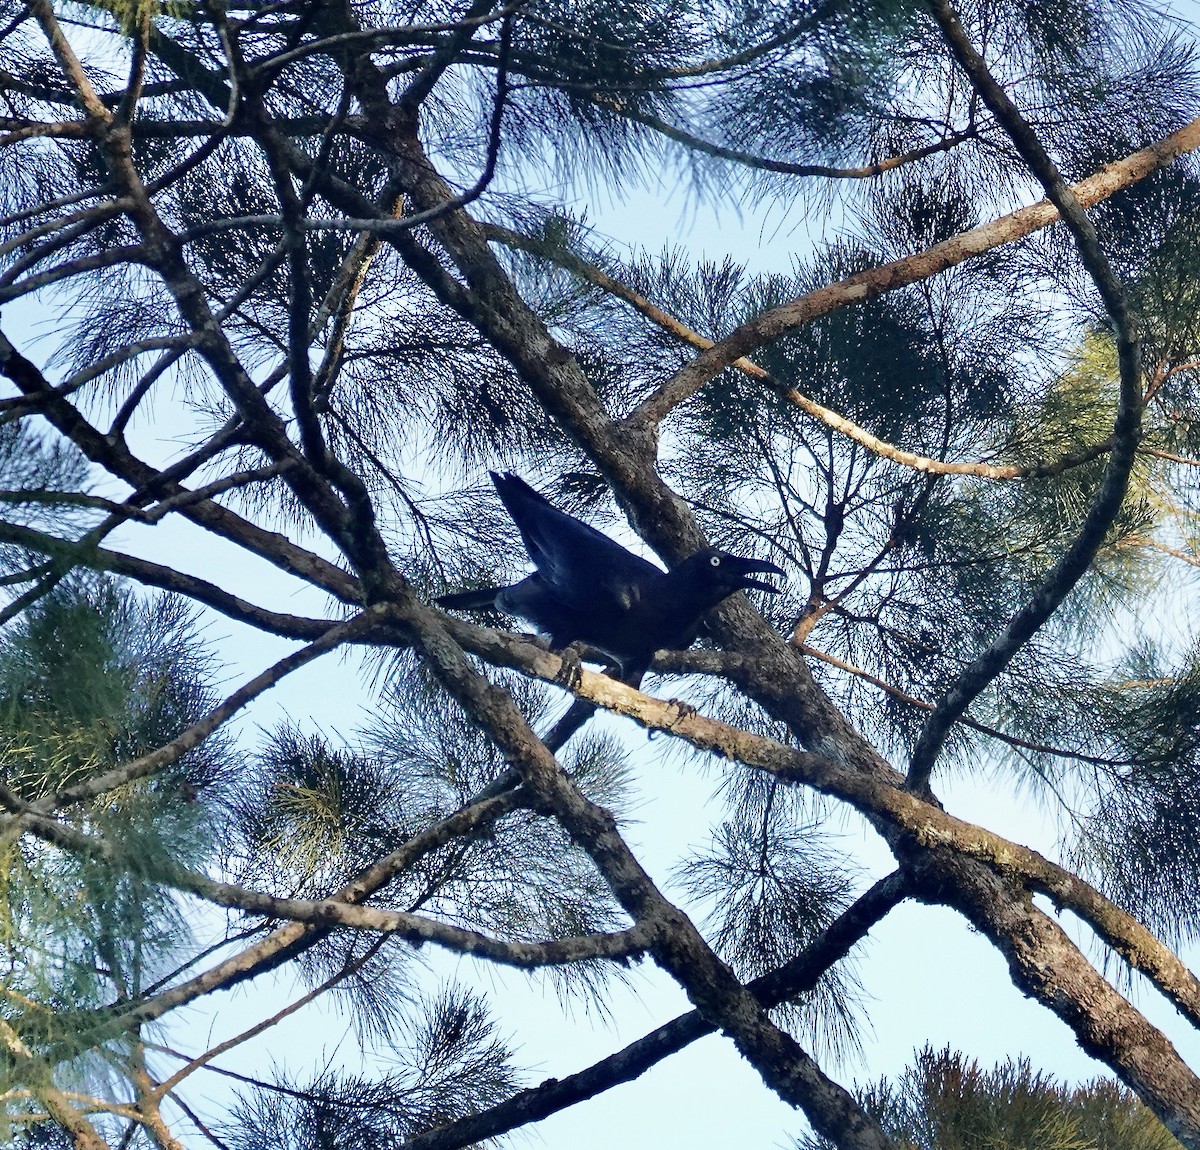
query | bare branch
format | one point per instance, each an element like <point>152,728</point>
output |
<point>338,977</point>
<point>950,140</point>
<point>288,941</point>
<point>417,929</point>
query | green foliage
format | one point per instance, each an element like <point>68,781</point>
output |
<point>946,1101</point>
<point>898,572</point>
<point>451,1064</point>
<point>132,15</point>
<point>1137,835</point>
<point>316,810</point>
<point>89,678</point>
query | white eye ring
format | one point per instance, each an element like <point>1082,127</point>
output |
<point>715,561</point>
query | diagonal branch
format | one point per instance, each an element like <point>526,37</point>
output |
<point>882,800</point>
<point>193,1064</point>
<point>851,430</point>
<point>284,943</point>
<point>1078,557</point>
<point>900,273</point>
<point>796,977</point>
<point>168,753</point>
<point>85,1135</point>
<point>115,456</point>
<point>674,942</point>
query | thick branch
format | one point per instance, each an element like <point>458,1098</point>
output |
<point>674,942</point>
<point>794,978</point>
<point>881,800</point>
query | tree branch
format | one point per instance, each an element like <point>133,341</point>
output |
<point>1078,557</point>
<point>887,277</point>
<point>794,978</point>
<point>168,753</point>
<point>851,430</point>
<point>417,929</point>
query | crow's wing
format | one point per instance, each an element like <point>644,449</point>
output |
<point>585,569</point>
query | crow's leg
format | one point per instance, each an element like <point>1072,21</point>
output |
<point>577,714</point>
<point>684,710</point>
<point>582,709</point>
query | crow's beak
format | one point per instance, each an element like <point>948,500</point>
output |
<point>744,566</point>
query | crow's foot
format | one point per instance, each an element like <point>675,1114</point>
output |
<point>570,674</point>
<point>683,711</point>
<point>686,711</point>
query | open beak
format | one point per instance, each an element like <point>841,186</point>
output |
<point>745,566</point>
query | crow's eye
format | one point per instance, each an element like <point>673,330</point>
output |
<point>715,561</point>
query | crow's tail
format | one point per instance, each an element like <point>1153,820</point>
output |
<point>476,600</point>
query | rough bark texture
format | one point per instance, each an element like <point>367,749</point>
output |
<point>442,240</point>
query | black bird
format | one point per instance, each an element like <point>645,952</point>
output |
<point>589,589</point>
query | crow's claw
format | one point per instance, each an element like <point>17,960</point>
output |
<point>686,711</point>
<point>683,711</point>
<point>570,674</point>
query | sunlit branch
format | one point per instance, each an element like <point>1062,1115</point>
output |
<point>887,277</point>
<point>17,130</point>
<point>417,929</point>
<point>288,941</point>
<point>875,797</point>
<point>675,943</point>
<point>84,1133</point>
<point>70,64</point>
<point>1174,552</point>
<point>852,431</point>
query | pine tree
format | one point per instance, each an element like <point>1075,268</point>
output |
<point>336,246</point>
<point>945,1101</point>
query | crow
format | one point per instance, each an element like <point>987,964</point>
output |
<point>588,589</point>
